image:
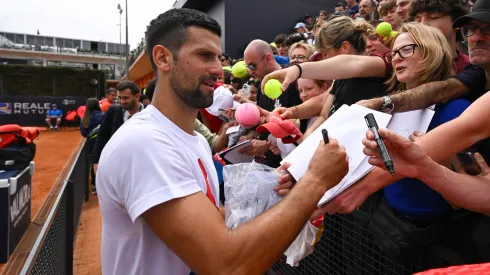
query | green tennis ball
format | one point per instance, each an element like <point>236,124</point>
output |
<point>384,29</point>
<point>393,34</point>
<point>273,89</point>
<point>239,70</point>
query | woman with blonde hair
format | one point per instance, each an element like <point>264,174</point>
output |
<point>421,54</point>
<point>299,52</point>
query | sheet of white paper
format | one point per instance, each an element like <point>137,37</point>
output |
<point>348,126</point>
<point>232,129</point>
<point>233,154</point>
<point>404,124</point>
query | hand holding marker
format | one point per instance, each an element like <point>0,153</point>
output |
<point>373,126</point>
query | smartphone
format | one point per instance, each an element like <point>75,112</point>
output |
<point>469,163</point>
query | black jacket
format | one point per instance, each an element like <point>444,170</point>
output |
<point>111,121</point>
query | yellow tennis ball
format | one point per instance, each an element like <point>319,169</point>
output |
<point>272,88</point>
<point>384,29</point>
<point>239,70</point>
<point>393,34</point>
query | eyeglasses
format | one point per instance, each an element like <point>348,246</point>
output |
<point>300,58</point>
<point>253,66</point>
<point>404,52</point>
<point>469,30</point>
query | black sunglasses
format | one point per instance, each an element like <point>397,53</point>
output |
<point>469,30</point>
<point>253,66</point>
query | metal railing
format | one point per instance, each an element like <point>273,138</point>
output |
<point>347,247</point>
<point>53,250</point>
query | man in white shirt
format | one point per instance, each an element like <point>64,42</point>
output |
<point>158,188</point>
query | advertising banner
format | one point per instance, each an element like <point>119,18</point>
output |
<point>31,110</point>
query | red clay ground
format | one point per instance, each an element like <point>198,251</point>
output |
<point>87,253</point>
<point>52,153</point>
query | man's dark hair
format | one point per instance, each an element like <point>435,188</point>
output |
<point>341,4</point>
<point>126,84</point>
<point>226,56</point>
<point>150,89</point>
<point>169,29</point>
<point>336,14</point>
<point>280,39</point>
<point>110,90</point>
<point>453,8</point>
<point>386,7</point>
<point>143,97</point>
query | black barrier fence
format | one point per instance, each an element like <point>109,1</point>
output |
<point>53,250</point>
<point>347,247</point>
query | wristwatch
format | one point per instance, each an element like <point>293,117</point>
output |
<point>388,105</point>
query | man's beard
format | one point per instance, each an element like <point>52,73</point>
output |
<point>193,97</point>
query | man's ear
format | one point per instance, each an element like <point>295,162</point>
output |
<point>162,57</point>
<point>138,95</point>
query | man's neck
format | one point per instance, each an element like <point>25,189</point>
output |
<point>276,67</point>
<point>167,102</point>
<point>135,109</point>
<point>352,5</point>
<point>487,73</point>
<point>454,47</point>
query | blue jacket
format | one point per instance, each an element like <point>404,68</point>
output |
<point>94,121</point>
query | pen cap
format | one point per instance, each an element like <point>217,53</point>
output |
<point>371,121</point>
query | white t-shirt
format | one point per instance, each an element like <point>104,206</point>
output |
<point>147,162</point>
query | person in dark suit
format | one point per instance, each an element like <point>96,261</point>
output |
<point>128,94</point>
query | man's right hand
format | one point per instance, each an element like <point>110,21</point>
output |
<point>95,167</point>
<point>374,104</point>
<point>329,164</point>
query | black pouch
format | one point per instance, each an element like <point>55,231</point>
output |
<point>400,239</point>
<point>17,157</point>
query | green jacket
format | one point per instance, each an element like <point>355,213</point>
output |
<point>203,130</point>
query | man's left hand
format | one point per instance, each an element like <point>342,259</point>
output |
<point>286,181</point>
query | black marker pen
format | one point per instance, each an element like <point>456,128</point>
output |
<point>373,126</point>
<point>325,136</point>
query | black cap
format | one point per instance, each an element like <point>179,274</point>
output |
<point>480,12</point>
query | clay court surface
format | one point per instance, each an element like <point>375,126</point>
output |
<point>53,154</point>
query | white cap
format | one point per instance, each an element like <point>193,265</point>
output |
<point>299,25</point>
<point>222,99</point>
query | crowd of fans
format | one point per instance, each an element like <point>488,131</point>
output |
<point>341,57</point>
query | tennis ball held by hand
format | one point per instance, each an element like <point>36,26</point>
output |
<point>272,88</point>
<point>385,30</point>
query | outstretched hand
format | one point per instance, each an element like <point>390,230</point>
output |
<point>408,158</point>
<point>285,76</point>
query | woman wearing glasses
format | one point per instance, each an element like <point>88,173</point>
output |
<point>420,55</point>
<point>299,52</point>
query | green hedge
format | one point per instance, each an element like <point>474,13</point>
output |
<point>51,81</point>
